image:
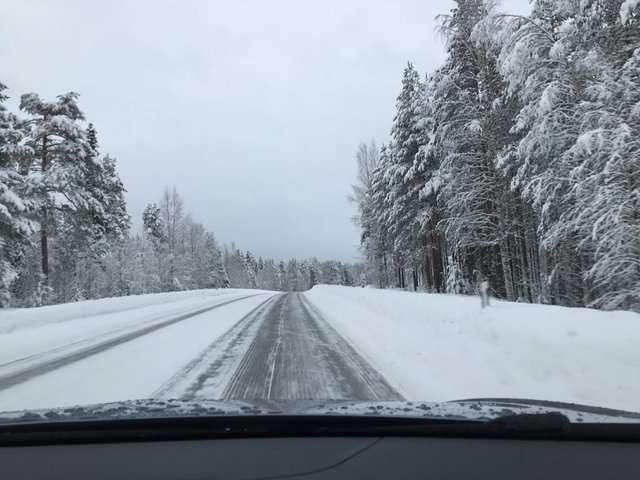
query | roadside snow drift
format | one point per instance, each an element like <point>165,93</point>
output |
<point>435,347</point>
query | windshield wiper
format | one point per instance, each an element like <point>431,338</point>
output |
<point>542,426</point>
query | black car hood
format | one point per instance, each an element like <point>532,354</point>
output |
<point>469,409</point>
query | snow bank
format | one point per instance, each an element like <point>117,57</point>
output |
<point>33,331</point>
<point>443,347</point>
<point>131,370</point>
<point>17,318</point>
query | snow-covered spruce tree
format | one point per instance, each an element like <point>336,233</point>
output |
<point>15,226</point>
<point>335,274</point>
<point>217,275</point>
<point>346,277</point>
<point>295,274</point>
<point>86,233</point>
<point>381,241</point>
<point>251,266</point>
<point>153,227</point>
<point>469,130</point>
<point>281,276</point>
<point>313,274</point>
<point>456,282</point>
<point>427,165</point>
<point>403,180</point>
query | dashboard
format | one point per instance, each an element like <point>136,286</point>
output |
<point>325,458</point>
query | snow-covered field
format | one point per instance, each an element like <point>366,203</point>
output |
<point>445,347</point>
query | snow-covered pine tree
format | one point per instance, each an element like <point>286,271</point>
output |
<point>346,277</point>
<point>153,227</point>
<point>281,276</point>
<point>251,266</point>
<point>88,231</point>
<point>313,274</point>
<point>58,164</point>
<point>15,226</point>
<point>217,275</point>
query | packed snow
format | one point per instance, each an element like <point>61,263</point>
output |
<point>435,347</point>
<point>19,318</point>
<point>130,370</point>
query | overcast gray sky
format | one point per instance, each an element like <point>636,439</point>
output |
<point>253,110</point>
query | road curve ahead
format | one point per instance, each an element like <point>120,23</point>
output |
<point>297,355</point>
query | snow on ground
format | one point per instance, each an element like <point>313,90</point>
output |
<point>18,318</point>
<point>131,370</point>
<point>30,331</point>
<point>435,347</point>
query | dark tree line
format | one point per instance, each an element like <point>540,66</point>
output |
<point>245,271</point>
<point>516,162</point>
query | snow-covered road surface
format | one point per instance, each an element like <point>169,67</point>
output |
<point>297,355</point>
<point>236,345</point>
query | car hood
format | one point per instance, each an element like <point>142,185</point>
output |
<point>469,409</point>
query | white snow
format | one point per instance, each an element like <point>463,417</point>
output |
<point>435,347</point>
<point>19,318</point>
<point>625,9</point>
<point>430,347</point>
<point>131,370</point>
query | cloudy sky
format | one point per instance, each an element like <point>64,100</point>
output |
<point>252,109</point>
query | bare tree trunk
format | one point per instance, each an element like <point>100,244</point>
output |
<point>437,263</point>
<point>506,268</point>
<point>428,277</point>
<point>44,240</point>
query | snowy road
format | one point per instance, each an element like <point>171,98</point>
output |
<point>232,346</point>
<point>283,350</point>
<point>329,343</point>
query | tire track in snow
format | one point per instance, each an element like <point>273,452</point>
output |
<point>36,368</point>
<point>208,373</point>
<point>297,355</point>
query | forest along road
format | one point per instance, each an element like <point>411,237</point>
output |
<point>283,350</point>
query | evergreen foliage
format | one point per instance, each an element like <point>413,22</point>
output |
<point>517,161</point>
